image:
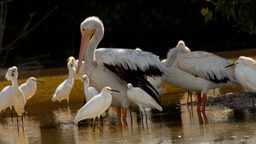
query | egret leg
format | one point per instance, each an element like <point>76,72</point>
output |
<point>253,106</point>
<point>93,124</point>
<point>131,114</point>
<point>198,101</point>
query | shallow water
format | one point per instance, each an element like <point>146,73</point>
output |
<point>50,122</point>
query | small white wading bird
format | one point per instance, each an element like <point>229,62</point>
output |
<point>116,66</point>
<point>29,88</point>
<point>89,91</point>
<point>95,106</point>
<point>142,99</point>
<point>245,71</point>
<point>63,90</point>
<point>12,95</point>
<point>197,71</point>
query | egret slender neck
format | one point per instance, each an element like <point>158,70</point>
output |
<point>71,72</point>
<point>14,82</point>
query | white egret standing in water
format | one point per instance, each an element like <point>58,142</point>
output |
<point>116,66</point>
<point>12,95</point>
<point>95,106</point>
<point>29,87</point>
<point>62,92</point>
<point>245,71</point>
<point>142,99</point>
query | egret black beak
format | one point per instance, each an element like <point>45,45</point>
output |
<point>233,64</point>
<point>113,90</point>
<point>38,81</point>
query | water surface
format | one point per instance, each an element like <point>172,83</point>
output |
<point>52,122</point>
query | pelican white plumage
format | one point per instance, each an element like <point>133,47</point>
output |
<point>12,95</point>
<point>89,91</point>
<point>142,99</point>
<point>95,106</point>
<point>245,71</point>
<point>62,92</point>
<point>29,88</point>
<point>197,71</point>
<point>116,66</point>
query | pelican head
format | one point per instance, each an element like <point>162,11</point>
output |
<point>11,73</point>
<point>181,44</point>
<point>91,29</point>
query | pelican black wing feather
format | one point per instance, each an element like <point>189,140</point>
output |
<point>137,78</point>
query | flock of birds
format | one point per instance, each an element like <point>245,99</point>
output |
<point>124,78</point>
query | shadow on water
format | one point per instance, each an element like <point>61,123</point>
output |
<point>51,122</point>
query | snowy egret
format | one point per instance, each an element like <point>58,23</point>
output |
<point>116,66</point>
<point>197,71</point>
<point>89,91</point>
<point>245,71</point>
<point>95,106</point>
<point>12,95</point>
<point>29,87</point>
<point>142,99</point>
<point>62,92</point>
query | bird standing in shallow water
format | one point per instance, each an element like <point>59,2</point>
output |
<point>197,71</point>
<point>29,88</point>
<point>12,95</point>
<point>95,106</point>
<point>62,92</point>
<point>245,71</point>
<point>116,66</point>
<point>142,99</point>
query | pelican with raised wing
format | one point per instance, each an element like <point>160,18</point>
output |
<point>116,66</point>
<point>198,71</point>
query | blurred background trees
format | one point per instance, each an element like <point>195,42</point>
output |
<point>48,31</point>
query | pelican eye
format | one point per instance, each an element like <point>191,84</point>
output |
<point>83,29</point>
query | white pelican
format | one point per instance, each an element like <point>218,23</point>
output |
<point>29,88</point>
<point>95,106</point>
<point>245,71</point>
<point>116,66</point>
<point>197,71</point>
<point>12,95</point>
<point>89,91</point>
<point>62,92</point>
<point>142,99</point>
